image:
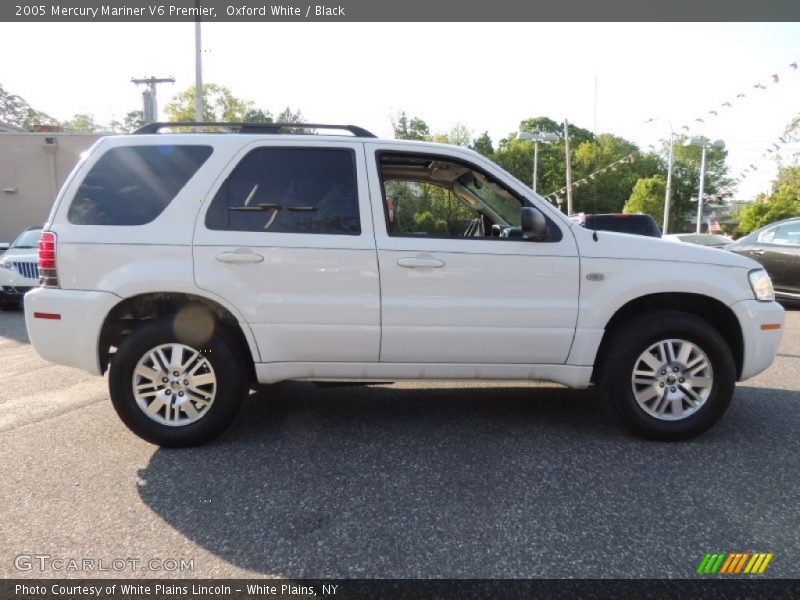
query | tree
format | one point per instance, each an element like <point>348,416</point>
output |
<point>219,104</point>
<point>648,198</point>
<point>686,179</point>
<point>483,145</point>
<point>457,136</point>
<point>14,110</point>
<point>410,129</point>
<point>84,123</point>
<point>782,204</point>
<point>131,122</point>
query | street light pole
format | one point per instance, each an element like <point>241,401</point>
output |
<point>700,193</point>
<point>668,194</point>
<point>536,138</point>
<point>569,167</point>
<point>704,144</point>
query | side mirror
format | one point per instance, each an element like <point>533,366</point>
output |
<point>532,223</point>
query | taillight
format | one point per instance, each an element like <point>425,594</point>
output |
<point>47,259</point>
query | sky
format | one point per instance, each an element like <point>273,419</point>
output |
<point>488,76</point>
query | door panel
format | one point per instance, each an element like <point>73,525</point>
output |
<point>308,294</point>
<point>473,300</point>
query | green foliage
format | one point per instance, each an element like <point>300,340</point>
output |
<point>686,179</point>
<point>84,123</point>
<point>608,192</point>
<point>219,104</point>
<point>426,208</point>
<point>410,129</point>
<point>782,204</point>
<point>14,110</point>
<point>648,198</point>
<point>131,122</point>
<point>483,145</point>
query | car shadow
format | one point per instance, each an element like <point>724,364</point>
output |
<point>462,481</point>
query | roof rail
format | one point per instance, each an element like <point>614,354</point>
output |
<point>254,127</point>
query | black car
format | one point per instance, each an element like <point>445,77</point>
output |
<point>777,247</point>
<point>636,224</point>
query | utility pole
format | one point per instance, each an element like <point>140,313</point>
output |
<point>569,168</point>
<point>198,70</point>
<point>149,102</point>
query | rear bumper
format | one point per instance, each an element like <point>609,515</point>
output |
<point>760,345</point>
<point>72,337</point>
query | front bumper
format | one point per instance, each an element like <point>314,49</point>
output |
<point>761,337</point>
<point>64,325</point>
<point>13,293</point>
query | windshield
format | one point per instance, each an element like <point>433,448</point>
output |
<point>27,239</point>
<point>495,197</point>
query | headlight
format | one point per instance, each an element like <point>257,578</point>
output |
<point>762,285</point>
<point>5,265</point>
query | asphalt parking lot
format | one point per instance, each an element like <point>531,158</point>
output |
<point>405,480</point>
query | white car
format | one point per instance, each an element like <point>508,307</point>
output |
<point>19,268</point>
<point>709,240</point>
<point>192,264</point>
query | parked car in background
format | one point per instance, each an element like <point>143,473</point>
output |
<point>636,224</point>
<point>777,247</point>
<point>3,247</point>
<point>710,240</point>
<point>19,268</point>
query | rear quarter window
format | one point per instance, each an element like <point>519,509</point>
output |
<point>132,185</point>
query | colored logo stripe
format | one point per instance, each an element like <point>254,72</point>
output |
<point>734,562</point>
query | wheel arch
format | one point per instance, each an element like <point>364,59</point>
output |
<point>135,310</point>
<point>716,313</point>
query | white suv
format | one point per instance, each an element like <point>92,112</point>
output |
<point>193,264</point>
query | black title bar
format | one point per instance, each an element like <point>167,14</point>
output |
<point>399,10</point>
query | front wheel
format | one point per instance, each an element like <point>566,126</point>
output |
<point>170,392</point>
<point>667,375</point>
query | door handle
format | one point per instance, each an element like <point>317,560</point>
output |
<point>420,262</point>
<point>759,252</point>
<point>239,257</point>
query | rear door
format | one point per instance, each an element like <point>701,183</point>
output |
<point>287,238</point>
<point>784,257</point>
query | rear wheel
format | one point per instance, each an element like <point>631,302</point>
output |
<point>668,375</point>
<point>171,392</point>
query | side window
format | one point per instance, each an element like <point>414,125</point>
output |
<point>788,235</point>
<point>289,190</point>
<point>416,208</point>
<point>132,185</point>
<point>766,237</point>
<point>433,196</point>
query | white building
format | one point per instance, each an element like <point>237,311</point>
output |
<point>32,168</point>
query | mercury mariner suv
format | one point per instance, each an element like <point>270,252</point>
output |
<point>191,262</point>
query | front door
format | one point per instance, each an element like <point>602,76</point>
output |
<point>458,283</point>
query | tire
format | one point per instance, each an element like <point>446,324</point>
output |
<point>223,364</point>
<point>678,409</point>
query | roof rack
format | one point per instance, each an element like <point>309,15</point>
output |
<point>254,127</point>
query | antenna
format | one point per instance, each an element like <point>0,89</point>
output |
<point>149,102</point>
